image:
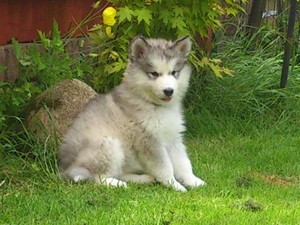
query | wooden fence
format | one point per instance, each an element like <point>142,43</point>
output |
<point>21,20</point>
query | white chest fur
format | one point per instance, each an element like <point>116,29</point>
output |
<point>166,123</point>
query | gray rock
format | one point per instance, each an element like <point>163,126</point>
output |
<point>54,110</point>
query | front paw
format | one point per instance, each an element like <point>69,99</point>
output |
<point>178,187</point>
<point>174,184</point>
<point>193,182</point>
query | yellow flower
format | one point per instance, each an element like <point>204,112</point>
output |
<point>109,33</point>
<point>109,15</point>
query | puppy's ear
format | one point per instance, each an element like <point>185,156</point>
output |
<point>183,46</point>
<point>138,47</point>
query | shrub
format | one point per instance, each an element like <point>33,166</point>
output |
<point>154,18</point>
<point>40,67</point>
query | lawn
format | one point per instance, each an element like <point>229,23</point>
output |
<point>251,179</point>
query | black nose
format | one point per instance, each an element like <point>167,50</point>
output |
<point>168,92</point>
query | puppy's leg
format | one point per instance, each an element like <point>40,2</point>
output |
<point>77,174</point>
<point>100,161</point>
<point>182,166</point>
<point>157,163</point>
<point>81,174</point>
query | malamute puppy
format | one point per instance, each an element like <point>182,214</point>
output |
<point>134,133</point>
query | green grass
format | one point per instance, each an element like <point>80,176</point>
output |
<point>251,179</point>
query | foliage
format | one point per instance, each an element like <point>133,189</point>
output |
<point>44,65</point>
<point>40,67</point>
<point>2,118</point>
<point>167,19</point>
<point>252,95</point>
<point>48,64</point>
<point>155,18</point>
<point>13,98</point>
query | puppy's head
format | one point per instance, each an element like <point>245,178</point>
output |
<point>158,69</point>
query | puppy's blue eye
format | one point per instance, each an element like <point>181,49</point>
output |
<point>154,74</point>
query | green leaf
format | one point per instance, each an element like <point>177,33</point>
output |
<point>96,27</point>
<point>17,48</point>
<point>96,5</point>
<point>125,13</point>
<point>178,23</point>
<point>23,62</point>
<point>45,41</point>
<point>143,15</point>
<point>115,67</point>
<point>231,11</point>
<point>178,11</point>
<point>216,70</point>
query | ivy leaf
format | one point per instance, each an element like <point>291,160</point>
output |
<point>125,14</point>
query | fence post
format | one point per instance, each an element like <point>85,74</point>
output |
<point>288,43</point>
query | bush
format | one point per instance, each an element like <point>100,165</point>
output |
<point>41,66</point>
<point>154,18</point>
